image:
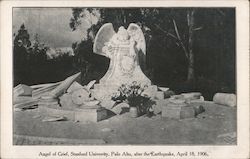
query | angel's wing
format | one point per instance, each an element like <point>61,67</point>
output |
<point>136,33</point>
<point>104,34</point>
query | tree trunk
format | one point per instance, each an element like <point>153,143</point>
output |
<point>190,19</point>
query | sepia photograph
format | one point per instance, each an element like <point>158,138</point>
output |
<point>124,79</point>
<point>124,76</point>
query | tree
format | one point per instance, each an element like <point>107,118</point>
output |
<point>38,50</point>
<point>22,38</point>
<point>20,54</point>
<point>188,49</point>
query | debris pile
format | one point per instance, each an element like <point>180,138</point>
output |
<point>180,106</point>
<point>70,100</point>
<point>60,101</point>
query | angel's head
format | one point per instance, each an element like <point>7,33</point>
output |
<point>122,34</point>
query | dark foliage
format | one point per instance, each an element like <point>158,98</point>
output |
<point>213,48</point>
<point>31,64</point>
<point>213,45</point>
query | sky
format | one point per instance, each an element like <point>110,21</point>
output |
<point>51,24</point>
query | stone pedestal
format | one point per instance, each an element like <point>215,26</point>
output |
<point>123,48</point>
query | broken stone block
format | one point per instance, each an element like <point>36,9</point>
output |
<point>201,99</point>
<point>66,101</point>
<point>187,112</point>
<point>74,86</point>
<point>159,95</point>
<point>22,90</point>
<point>177,101</point>
<point>90,84</point>
<point>173,110</point>
<point>150,91</point>
<point>91,103</point>
<point>168,93</point>
<point>225,99</point>
<point>108,104</point>
<point>49,101</point>
<point>120,108</point>
<point>157,107</point>
<point>175,97</point>
<point>191,95</point>
<point>80,96</point>
<point>199,109</point>
<point>90,115</point>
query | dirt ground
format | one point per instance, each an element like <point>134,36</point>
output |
<point>206,129</point>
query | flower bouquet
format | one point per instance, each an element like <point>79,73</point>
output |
<point>132,94</point>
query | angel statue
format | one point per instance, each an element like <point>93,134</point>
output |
<point>123,49</point>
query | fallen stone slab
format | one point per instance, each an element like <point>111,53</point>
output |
<point>22,99</point>
<point>74,86</point>
<point>37,93</point>
<point>22,90</point>
<point>64,85</point>
<point>45,85</point>
<point>26,104</point>
<point>226,99</point>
